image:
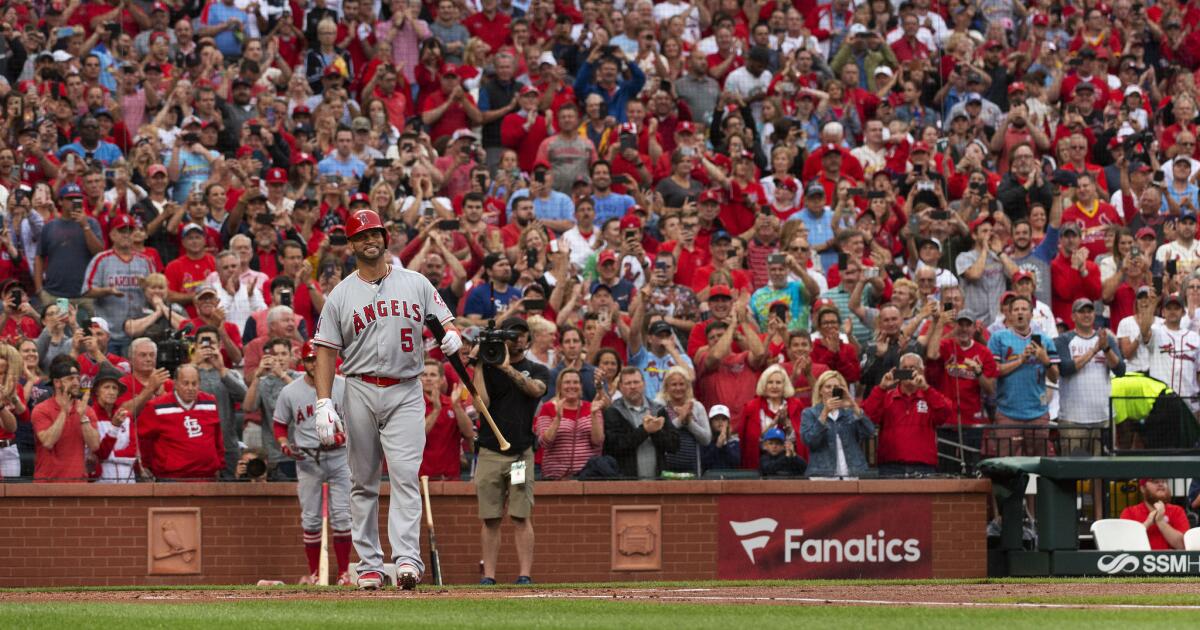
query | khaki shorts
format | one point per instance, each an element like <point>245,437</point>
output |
<point>492,485</point>
<point>1078,439</point>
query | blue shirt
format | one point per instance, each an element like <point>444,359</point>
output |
<point>556,207</point>
<point>1022,394</point>
<point>106,152</point>
<point>227,41</point>
<point>654,368</point>
<point>481,302</point>
<point>611,207</point>
<point>193,171</point>
<point>616,100</point>
<point>352,167</point>
<point>820,231</point>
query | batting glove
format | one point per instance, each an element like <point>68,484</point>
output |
<point>328,424</point>
<point>451,343</point>
<point>292,452</point>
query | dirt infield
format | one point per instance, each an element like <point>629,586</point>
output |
<point>990,594</point>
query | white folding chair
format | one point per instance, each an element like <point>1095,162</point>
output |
<point>1118,534</point>
<point>1191,539</point>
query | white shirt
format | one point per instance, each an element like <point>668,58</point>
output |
<point>1128,329</point>
<point>1173,356</point>
<point>240,306</point>
<point>579,248</point>
<point>1084,395</point>
<point>1187,255</point>
<point>741,82</point>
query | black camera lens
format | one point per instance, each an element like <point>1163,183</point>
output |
<point>255,468</point>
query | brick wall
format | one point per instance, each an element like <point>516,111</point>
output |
<point>69,534</point>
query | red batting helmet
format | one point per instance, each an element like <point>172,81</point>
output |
<point>362,220</point>
<point>307,351</point>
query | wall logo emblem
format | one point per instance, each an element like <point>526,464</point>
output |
<point>762,526</point>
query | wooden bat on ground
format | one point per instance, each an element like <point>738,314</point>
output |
<point>435,326</point>
<point>435,560</point>
<point>323,567</point>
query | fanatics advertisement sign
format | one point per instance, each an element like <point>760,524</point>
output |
<point>824,536</point>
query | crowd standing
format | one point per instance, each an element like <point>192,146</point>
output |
<point>797,238</point>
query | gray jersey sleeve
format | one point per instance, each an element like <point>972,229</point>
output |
<point>379,326</point>
<point>296,407</point>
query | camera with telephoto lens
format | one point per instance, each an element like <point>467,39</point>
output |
<point>1137,147</point>
<point>174,349</point>
<point>491,343</point>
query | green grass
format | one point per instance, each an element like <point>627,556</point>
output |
<point>1160,599</point>
<point>558,614</point>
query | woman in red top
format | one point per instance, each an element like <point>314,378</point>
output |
<point>12,405</point>
<point>569,430</point>
<point>446,425</point>
<point>774,406</point>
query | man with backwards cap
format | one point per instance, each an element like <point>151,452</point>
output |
<point>63,425</point>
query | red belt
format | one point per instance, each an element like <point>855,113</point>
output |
<point>381,381</point>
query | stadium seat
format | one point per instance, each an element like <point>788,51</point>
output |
<point>1118,534</point>
<point>1191,539</point>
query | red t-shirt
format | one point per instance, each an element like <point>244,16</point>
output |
<point>183,274</point>
<point>63,462</point>
<point>443,444</point>
<point>453,119</point>
<point>958,382</point>
<point>1175,517</point>
<point>1095,222</point>
<point>732,383</point>
<point>21,326</point>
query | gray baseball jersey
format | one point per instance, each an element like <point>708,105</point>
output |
<point>379,326</point>
<point>296,406</point>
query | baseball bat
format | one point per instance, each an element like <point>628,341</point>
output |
<point>435,559</point>
<point>431,321</point>
<point>323,567</point>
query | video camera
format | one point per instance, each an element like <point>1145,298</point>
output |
<point>491,343</point>
<point>175,349</point>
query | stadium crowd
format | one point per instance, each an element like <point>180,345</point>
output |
<point>793,238</point>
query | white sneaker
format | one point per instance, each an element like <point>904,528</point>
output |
<point>407,576</point>
<point>370,580</point>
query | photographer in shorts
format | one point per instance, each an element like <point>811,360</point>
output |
<point>511,387</point>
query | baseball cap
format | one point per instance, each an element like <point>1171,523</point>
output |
<point>884,70</point>
<point>189,121</point>
<point>991,43</point>
<point>1081,304</point>
<point>204,289</point>
<point>1138,166</point>
<point>720,291</point>
<point>964,317</point>
<point>305,158</point>
<point>685,127</point>
<point>1174,298</point>
<point>277,176</point>
<point>359,197</point>
<point>1070,226</point>
<point>1017,86</point>
<point>1085,86</point>
<point>814,190</point>
<point>718,410</point>
<point>1143,291</point>
<point>70,190</point>
<point>712,195</point>
<point>1023,275</point>
<point>630,221</point>
<point>919,147</point>
<point>188,228</point>
<point>63,369</point>
<point>986,218</point>
<point>332,71</point>
<point>858,29</point>
<point>1147,232</point>
<point>245,151</point>
<point>529,89</point>
<point>606,256</point>
<point>241,82</point>
<point>1041,19</point>
<point>600,286</point>
<point>720,235</point>
<point>301,110</point>
<point>659,327</point>
<point>62,56</point>
<point>1187,217</point>
<point>156,169</point>
<point>774,433</point>
<point>462,133</point>
<point>1007,296</point>
<point>122,220</point>
<point>547,57</point>
<point>361,124</point>
<point>929,241</point>
<point>789,183</point>
<point>514,323</point>
<point>101,323</point>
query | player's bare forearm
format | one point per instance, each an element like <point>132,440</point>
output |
<point>323,377</point>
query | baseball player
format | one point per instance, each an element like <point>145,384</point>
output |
<point>375,320</point>
<point>315,465</point>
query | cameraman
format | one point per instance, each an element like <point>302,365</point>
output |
<point>224,384</point>
<point>511,390</point>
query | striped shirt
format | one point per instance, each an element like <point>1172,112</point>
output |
<point>572,445</point>
<point>110,270</point>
